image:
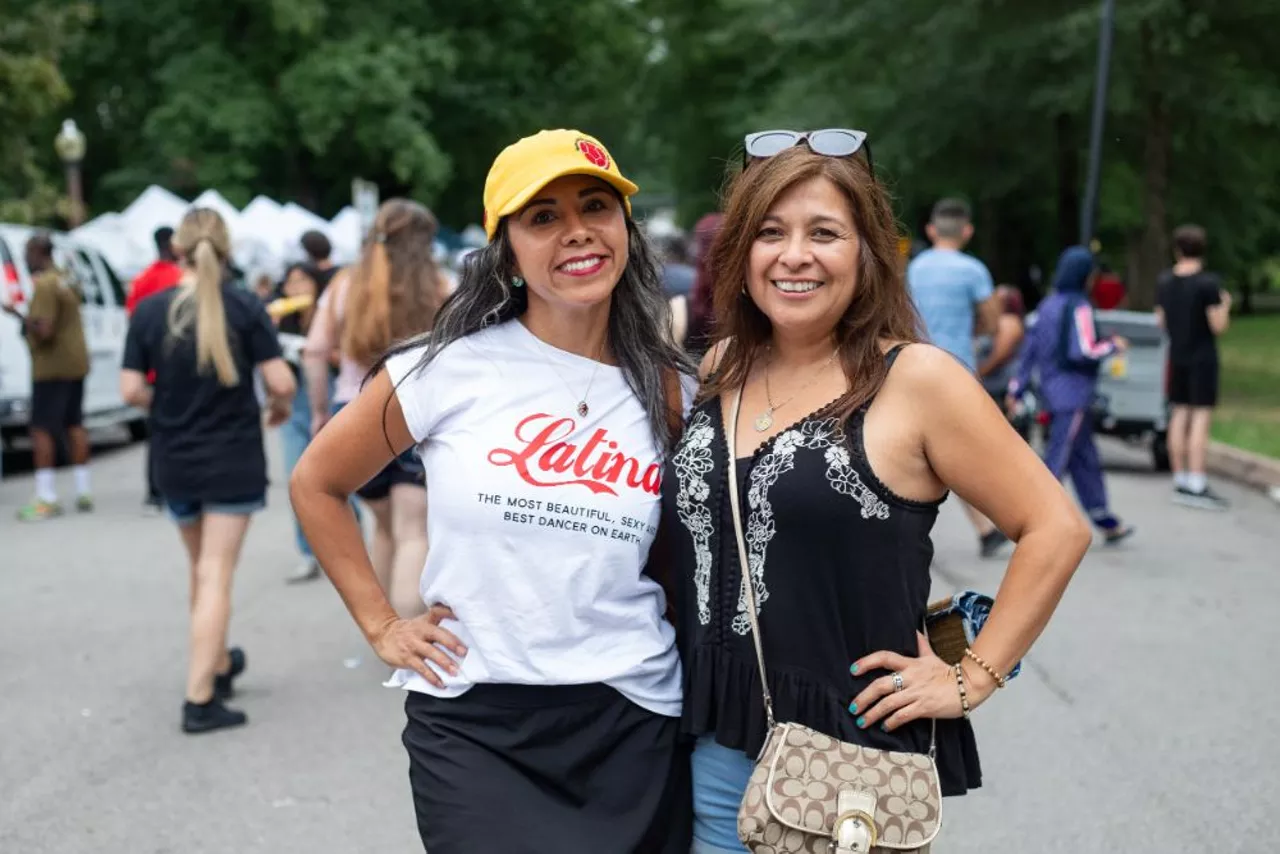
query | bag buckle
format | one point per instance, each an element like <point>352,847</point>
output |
<point>854,831</point>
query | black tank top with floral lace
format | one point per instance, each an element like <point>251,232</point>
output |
<point>841,568</point>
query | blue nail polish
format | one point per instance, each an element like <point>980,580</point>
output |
<point>883,728</point>
<point>853,708</point>
<point>853,668</point>
<point>861,722</point>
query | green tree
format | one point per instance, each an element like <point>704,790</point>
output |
<point>290,98</point>
<point>34,36</point>
<point>991,99</point>
<point>294,98</point>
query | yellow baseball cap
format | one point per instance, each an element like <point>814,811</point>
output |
<point>526,166</point>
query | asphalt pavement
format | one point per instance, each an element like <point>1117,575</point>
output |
<point>1147,719</point>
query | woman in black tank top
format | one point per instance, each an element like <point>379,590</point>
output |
<point>850,435</point>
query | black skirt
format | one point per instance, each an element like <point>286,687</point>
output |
<point>574,769</point>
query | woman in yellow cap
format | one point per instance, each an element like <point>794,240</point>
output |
<point>544,684</point>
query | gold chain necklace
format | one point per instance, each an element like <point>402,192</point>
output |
<point>764,420</point>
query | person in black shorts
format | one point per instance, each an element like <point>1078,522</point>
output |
<point>1193,309</point>
<point>59,364</point>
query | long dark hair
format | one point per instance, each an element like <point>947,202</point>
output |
<point>881,308</point>
<point>639,319</point>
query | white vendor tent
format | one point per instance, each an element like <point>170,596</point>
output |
<point>264,235</point>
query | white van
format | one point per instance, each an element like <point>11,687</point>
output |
<point>105,325</point>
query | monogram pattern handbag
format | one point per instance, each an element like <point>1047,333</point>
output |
<point>811,793</point>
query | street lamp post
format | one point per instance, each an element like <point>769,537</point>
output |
<point>1089,210</point>
<point>70,145</point>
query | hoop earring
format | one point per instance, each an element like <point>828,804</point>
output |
<point>517,282</point>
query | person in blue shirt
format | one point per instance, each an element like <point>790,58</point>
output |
<point>955,298</point>
<point>1064,351</point>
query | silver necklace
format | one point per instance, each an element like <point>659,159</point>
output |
<point>583,409</point>
<point>764,420</point>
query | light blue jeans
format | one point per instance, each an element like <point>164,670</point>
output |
<point>720,776</point>
<point>295,434</point>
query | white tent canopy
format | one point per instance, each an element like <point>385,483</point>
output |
<point>264,235</point>
<point>156,207</point>
<point>344,231</point>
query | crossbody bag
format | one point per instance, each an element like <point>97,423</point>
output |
<point>811,793</point>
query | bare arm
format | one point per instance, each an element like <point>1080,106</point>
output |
<point>338,461</point>
<point>319,353</point>
<point>711,361</point>
<point>315,358</point>
<point>988,318</point>
<point>971,449</point>
<point>1008,337</point>
<point>1219,316</point>
<point>1160,321</point>
<point>278,379</point>
<point>134,389</point>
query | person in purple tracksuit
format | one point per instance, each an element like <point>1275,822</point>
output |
<point>1065,352</point>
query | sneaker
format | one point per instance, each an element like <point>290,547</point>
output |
<point>206,717</point>
<point>1117,535</point>
<point>1205,499</point>
<point>223,689</point>
<point>38,511</point>
<point>84,503</point>
<point>308,571</point>
<point>991,542</point>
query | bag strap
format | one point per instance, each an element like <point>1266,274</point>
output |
<point>748,588</point>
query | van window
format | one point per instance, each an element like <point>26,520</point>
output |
<point>117,289</point>
<point>87,280</point>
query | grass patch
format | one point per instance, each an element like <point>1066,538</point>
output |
<point>1248,414</point>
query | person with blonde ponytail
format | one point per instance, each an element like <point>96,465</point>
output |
<point>391,295</point>
<point>204,339</point>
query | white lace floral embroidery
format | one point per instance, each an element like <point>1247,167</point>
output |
<point>826,436</point>
<point>693,461</point>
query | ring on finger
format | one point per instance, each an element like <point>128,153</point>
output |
<point>898,684</point>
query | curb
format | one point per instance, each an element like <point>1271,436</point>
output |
<point>1261,473</point>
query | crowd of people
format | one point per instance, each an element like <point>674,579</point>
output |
<point>681,502</point>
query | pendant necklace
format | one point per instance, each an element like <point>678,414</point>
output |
<point>583,409</point>
<point>764,420</point>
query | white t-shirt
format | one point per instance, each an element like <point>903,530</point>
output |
<point>540,519</point>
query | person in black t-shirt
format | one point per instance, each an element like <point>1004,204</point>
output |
<point>204,339</point>
<point>1193,309</point>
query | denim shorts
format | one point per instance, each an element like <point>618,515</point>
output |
<point>189,512</point>
<point>404,470</point>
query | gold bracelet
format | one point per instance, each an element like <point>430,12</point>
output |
<point>964,694</point>
<point>1000,680</point>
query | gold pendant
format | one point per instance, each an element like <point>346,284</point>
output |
<point>763,421</point>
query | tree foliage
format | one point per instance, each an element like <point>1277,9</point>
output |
<point>986,99</point>
<point>34,36</point>
<point>991,99</point>
<point>294,98</point>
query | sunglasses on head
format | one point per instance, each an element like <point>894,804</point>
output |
<point>831,142</point>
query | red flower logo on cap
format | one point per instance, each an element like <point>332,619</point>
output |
<point>595,153</point>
